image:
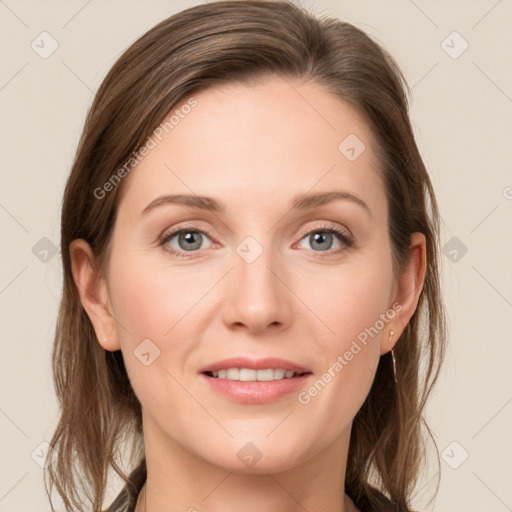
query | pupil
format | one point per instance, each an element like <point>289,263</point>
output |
<point>319,238</point>
<point>189,238</point>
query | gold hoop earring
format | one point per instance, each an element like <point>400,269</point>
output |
<point>393,360</point>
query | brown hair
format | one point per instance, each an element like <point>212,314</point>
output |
<point>205,46</point>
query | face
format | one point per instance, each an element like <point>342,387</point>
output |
<point>286,265</point>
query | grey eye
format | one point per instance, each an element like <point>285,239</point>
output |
<point>190,240</point>
<point>321,240</point>
<point>325,239</point>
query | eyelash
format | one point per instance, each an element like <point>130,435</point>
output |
<point>342,237</point>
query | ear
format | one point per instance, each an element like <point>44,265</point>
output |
<point>93,294</point>
<point>407,291</point>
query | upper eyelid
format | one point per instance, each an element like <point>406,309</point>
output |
<point>194,227</point>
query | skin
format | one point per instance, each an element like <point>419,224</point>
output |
<point>253,147</point>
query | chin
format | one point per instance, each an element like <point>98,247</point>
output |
<point>259,455</point>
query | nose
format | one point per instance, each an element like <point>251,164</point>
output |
<point>257,297</point>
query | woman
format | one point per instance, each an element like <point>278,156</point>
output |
<point>204,332</point>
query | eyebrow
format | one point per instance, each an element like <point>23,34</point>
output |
<point>298,202</point>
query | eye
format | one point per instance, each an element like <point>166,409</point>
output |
<point>321,239</point>
<point>187,241</point>
<point>184,240</point>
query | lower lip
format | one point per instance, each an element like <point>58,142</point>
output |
<point>256,392</point>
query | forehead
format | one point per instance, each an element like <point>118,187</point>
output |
<point>269,140</point>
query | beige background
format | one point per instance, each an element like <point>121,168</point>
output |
<point>461,110</point>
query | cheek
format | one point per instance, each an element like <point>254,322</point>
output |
<point>354,304</point>
<point>150,301</point>
<point>351,301</point>
<point>154,301</point>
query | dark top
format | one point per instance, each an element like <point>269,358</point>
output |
<point>127,498</point>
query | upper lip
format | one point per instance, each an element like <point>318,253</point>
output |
<point>254,364</point>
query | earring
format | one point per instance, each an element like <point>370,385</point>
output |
<point>393,360</point>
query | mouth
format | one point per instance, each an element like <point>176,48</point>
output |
<point>247,381</point>
<point>251,375</point>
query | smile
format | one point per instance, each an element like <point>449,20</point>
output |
<point>250,375</point>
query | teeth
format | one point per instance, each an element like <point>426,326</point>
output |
<point>279,374</point>
<point>266,375</point>
<point>249,375</point>
<point>233,374</point>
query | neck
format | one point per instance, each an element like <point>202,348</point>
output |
<point>178,480</point>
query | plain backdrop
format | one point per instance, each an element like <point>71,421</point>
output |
<point>456,57</point>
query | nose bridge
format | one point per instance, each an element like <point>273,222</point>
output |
<point>257,298</point>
